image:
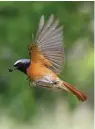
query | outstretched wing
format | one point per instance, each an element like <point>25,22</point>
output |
<point>49,39</point>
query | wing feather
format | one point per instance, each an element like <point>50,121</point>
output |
<point>47,25</point>
<point>41,24</point>
<point>49,38</point>
<point>51,28</point>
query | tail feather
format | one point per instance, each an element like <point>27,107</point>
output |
<point>81,96</point>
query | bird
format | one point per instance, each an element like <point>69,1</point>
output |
<point>46,54</point>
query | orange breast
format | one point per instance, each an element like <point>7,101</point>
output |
<point>38,70</point>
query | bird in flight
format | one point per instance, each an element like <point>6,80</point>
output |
<point>46,58</point>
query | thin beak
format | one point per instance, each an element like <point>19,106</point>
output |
<point>12,69</point>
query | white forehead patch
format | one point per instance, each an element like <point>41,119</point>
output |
<point>22,61</point>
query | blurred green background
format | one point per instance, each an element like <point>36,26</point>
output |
<point>25,107</point>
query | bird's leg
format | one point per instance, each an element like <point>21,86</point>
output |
<point>32,83</point>
<point>45,84</point>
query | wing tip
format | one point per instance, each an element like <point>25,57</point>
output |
<point>42,16</point>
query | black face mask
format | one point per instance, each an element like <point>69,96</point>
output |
<point>21,65</point>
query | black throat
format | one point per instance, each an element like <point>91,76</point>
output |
<point>23,67</point>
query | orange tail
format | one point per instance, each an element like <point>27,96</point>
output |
<point>81,96</point>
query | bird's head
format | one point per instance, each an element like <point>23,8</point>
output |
<point>21,65</point>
